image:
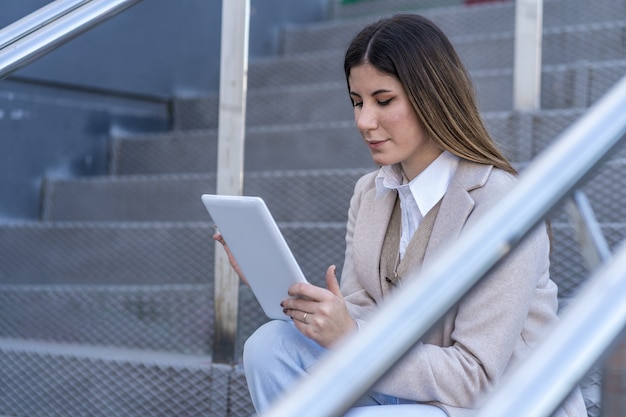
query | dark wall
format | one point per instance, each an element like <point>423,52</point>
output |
<point>57,114</point>
<point>157,47</point>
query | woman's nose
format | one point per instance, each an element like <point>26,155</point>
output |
<point>365,118</point>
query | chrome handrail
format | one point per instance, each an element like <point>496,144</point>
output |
<point>588,327</point>
<point>403,320</point>
<point>42,33</point>
<point>37,19</point>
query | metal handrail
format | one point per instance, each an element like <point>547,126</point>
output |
<point>44,31</point>
<point>588,327</point>
<point>37,19</point>
<point>594,247</point>
<point>403,320</point>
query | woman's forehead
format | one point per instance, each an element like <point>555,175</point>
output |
<point>368,77</point>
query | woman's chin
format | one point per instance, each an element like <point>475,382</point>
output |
<point>382,161</point>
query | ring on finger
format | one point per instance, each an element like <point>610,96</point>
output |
<point>304,318</point>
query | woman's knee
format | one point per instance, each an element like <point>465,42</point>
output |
<point>279,342</point>
<point>260,344</point>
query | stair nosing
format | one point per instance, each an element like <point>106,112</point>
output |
<point>106,353</point>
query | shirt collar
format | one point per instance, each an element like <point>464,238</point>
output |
<point>428,187</point>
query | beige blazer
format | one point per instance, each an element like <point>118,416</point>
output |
<point>467,352</point>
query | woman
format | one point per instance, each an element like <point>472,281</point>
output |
<point>439,172</point>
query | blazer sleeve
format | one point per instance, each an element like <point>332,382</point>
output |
<point>358,301</point>
<point>491,326</point>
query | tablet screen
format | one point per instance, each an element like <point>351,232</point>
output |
<point>258,246</point>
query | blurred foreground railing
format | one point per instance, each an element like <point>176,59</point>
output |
<point>551,177</point>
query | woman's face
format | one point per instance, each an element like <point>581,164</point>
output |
<point>387,121</point>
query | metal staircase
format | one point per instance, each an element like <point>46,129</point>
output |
<point>106,303</point>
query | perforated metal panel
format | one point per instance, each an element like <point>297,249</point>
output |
<point>106,253</point>
<point>171,318</point>
<point>48,380</point>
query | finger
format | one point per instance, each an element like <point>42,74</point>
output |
<point>331,281</point>
<point>218,237</point>
<point>305,290</point>
<point>304,318</point>
<point>296,306</point>
<point>298,315</point>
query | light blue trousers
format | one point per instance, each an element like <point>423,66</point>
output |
<point>277,355</point>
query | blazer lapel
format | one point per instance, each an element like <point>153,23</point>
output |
<point>371,226</point>
<point>456,206</point>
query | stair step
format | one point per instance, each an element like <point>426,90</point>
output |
<point>292,196</point>
<point>454,21</point>
<point>605,189</point>
<point>352,10</point>
<point>306,103</point>
<point>175,317</point>
<point>570,44</point>
<point>286,147</point>
<point>61,379</point>
<point>602,187</point>
<point>566,86</point>
<point>567,267</point>
<point>106,253</point>
<point>314,146</point>
<point>168,318</point>
<point>178,318</point>
<point>563,45</point>
<point>165,318</point>
<point>142,253</point>
<point>449,15</point>
<point>580,85</point>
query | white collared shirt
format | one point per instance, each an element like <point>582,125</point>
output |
<point>420,195</point>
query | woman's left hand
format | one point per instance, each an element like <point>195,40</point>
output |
<point>320,313</point>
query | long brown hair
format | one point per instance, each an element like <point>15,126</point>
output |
<point>416,52</point>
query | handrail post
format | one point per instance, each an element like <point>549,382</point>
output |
<point>527,61</point>
<point>231,133</point>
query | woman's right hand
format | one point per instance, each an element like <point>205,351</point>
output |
<point>320,313</point>
<point>233,262</point>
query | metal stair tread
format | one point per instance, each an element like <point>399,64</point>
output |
<point>458,40</point>
<point>292,173</point>
<point>97,381</point>
<point>431,12</point>
<point>203,132</point>
<point>173,318</point>
<point>160,224</point>
<point>309,102</point>
<point>288,146</point>
<point>107,353</point>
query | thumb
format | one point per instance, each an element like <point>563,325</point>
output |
<point>331,281</point>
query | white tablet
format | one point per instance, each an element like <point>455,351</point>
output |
<point>258,246</point>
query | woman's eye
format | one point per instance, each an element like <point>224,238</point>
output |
<point>357,104</point>
<point>384,102</point>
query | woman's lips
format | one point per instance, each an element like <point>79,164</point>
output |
<point>375,144</point>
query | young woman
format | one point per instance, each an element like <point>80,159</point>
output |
<point>439,172</point>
